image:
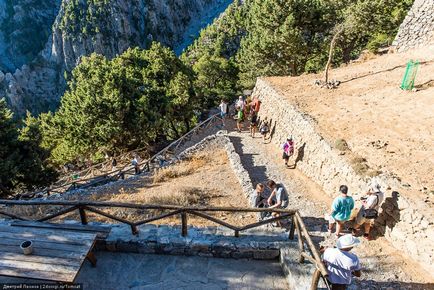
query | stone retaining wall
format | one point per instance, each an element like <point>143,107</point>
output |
<point>406,225</point>
<point>417,29</point>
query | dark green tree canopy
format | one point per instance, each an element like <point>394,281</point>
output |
<point>140,97</point>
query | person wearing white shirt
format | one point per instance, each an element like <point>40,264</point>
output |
<point>223,110</point>
<point>341,264</point>
<point>241,103</point>
<point>374,198</point>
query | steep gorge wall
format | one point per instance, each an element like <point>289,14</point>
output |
<point>417,29</point>
<point>106,27</point>
<point>408,225</point>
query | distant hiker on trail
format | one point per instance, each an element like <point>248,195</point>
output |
<point>288,150</point>
<point>223,110</point>
<point>256,104</point>
<point>280,196</point>
<point>136,165</point>
<point>114,163</point>
<point>341,210</point>
<point>241,104</point>
<point>369,211</point>
<point>240,119</point>
<point>253,117</point>
<point>264,129</point>
<point>341,264</point>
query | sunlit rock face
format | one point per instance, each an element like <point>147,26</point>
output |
<point>41,40</point>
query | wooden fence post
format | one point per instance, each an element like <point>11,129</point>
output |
<point>184,224</point>
<point>83,216</point>
<point>134,229</point>
<point>315,280</point>
<point>291,230</point>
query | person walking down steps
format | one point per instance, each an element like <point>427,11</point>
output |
<point>253,118</point>
<point>264,129</point>
<point>223,111</point>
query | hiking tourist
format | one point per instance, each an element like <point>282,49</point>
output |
<point>256,104</point>
<point>341,264</point>
<point>240,119</point>
<point>240,103</point>
<point>280,196</point>
<point>259,198</point>
<point>369,210</point>
<point>264,129</point>
<point>288,150</point>
<point>253,116</point>
<point>135,163</point>
<point>341,210</point>
<point>114,163</point>
<point>223,110</point>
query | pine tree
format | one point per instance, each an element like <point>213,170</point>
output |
<point>9,154</point>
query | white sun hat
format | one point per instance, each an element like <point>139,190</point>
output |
<point>347,241</point>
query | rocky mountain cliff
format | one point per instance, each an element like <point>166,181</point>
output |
<point>40,43</point>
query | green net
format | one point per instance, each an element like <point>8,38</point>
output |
<point>410,75</point>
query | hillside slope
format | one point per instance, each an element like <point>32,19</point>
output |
<point>392,129</point>
<point>35,79</point>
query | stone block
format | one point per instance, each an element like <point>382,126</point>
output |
<point>266,254</point>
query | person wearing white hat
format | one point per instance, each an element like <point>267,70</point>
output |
<point>369,211</point>
<point>341,264</point>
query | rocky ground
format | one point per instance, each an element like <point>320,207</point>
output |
<point>384,266</point>
<point>392,129</point>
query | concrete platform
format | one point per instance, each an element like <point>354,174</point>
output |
<point>119,271</point>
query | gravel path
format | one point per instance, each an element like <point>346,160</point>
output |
<point>384,267</point>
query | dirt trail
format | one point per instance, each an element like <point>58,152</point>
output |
<point>384,266</point>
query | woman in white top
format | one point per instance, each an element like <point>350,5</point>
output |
<point>372,201</point>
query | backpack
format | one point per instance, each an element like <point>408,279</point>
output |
<point>288,147</point>
<point>371,213</point>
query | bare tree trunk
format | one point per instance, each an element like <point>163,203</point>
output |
<point>338,32</point>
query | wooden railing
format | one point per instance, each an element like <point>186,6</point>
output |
<point>101,172</point>
<point>307,249</point>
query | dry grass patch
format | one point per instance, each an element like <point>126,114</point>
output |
<point>183,168</point>
<point>205,179</point>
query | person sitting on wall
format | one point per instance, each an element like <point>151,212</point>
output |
<point>341,264</point>
<point>369,211</point>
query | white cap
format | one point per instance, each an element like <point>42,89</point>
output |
<point>347,241</point>
<point>374,187</point>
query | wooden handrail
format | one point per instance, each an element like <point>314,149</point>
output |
<point>141,206</point>
<point>302,232</point>
<point>92,206</point>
